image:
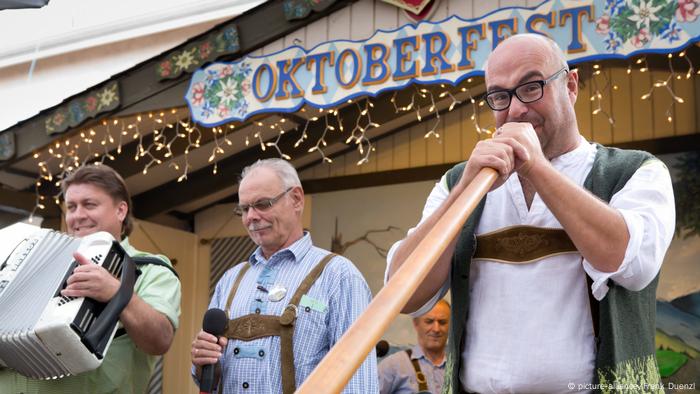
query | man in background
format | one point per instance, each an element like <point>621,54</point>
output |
<point>420,369</point>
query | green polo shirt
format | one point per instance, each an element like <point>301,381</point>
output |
<point>125,369</point>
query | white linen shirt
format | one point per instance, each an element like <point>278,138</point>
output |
<point>529,327</point>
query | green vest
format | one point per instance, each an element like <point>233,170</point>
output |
<point>626,319</point>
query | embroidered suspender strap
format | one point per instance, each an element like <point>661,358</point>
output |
<point>522,244</point>
<point>287,319</point>
<point>310,279</point>
<point>254,326</point>
<point>234,288</point>
<point>422,382</point>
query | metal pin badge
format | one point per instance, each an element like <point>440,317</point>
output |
<point>276,293</point>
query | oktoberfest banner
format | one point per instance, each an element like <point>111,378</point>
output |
<point>433,52</point>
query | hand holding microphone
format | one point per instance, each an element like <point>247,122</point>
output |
<point>208,346</point>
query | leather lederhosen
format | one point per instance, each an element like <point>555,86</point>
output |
<point>254,326</point>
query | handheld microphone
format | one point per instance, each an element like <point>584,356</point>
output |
<point>214,323</point>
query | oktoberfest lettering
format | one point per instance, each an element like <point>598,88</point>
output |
<point>447,51</point>
<point>376,62</point>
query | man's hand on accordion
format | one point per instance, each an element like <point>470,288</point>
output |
<point>90,280</point>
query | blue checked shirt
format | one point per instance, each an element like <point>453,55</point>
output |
<point>332,304</point>
<point>397,375</point>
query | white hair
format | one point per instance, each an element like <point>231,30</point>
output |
<point>284,171</point>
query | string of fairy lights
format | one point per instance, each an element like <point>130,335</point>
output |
<point>666,84</point>
<point>172,125</point>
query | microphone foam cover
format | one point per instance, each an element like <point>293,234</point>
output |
<point>215,321</point>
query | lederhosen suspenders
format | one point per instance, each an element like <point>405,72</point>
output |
<point>254,326</point>
<point>420,377</point>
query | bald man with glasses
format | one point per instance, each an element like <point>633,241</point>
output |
<point>289,303</point>
<point>554,275</point>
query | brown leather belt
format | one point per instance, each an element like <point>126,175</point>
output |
<point>522,244</point>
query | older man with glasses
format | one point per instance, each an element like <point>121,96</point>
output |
<point>289,303</point>
<point>554,275</point>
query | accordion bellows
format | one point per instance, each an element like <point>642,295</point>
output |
<point>44,335</point>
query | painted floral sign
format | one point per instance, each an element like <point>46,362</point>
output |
<point>222,91</point>
<point>447,51</point>
<point>222,42</point>
<point>638,22</point>
<point>85,107</point>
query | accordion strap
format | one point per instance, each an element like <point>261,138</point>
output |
<point>144,260</point>
<point>95,337</point>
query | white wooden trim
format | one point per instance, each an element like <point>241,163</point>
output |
<point>122,29</point>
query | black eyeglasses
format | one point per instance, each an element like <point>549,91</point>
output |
<point>260,205</point>
<point>527,92</point>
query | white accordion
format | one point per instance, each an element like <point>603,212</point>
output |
<point>44,335</point>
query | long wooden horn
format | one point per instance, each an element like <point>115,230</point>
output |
<point>341,362</point>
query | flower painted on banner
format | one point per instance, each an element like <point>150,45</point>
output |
<point>614,6</point>
<point>184,60</point>
<point>644,13</point>
<point>230,40</point>
<point>58,118</point>
<point>244,68</point>
<point>90,103</point>
<point>672,32</point>
<point>602,24</point>
<point>626,18</point>
<point>222,92</point>
<point>228,91</point>
<point>207,110</point>
<point>198,93</point>
<point>204,50</point>
<point>165,68</point>
<point>242,108</point>
<point>245,86</point>
<point>222,110</point>
<point>636,22</point>
<point>225,71</point>
<point>76,112</point>
<point>688,10</point>
<point>211,77</point>
<point>106,98</point>
<point>641,39</point>
<point>612,42</point>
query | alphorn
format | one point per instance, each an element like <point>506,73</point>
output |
<point>341,362</point>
